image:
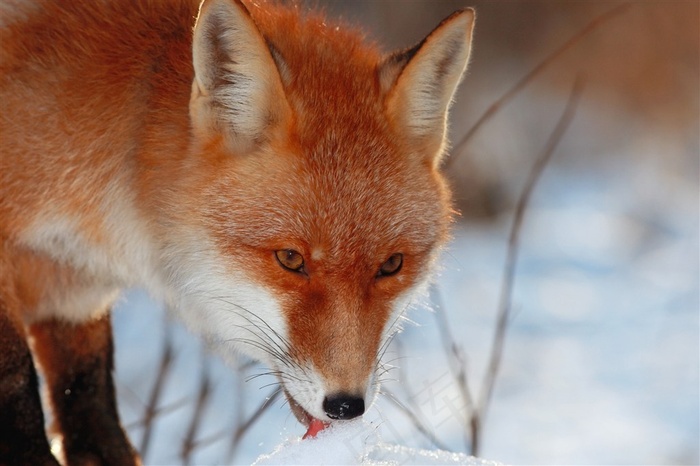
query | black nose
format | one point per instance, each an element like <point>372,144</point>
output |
<point>343,406</point>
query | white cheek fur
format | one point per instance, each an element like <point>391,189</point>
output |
<point>232,312</point>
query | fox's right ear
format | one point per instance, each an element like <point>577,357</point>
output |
<point>419,83</point>
<point>237,90</point>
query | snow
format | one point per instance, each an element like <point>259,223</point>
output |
<point>359,442</point>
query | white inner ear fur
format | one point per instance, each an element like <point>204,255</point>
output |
<point>423,90</point>
<point>237,86</point>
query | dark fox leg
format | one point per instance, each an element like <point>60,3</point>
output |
<point>77,362</point>
<point>22,437</point>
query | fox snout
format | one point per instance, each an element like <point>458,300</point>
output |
<point>336,407</point>
<point>335,353</point>
<point>343,406</point>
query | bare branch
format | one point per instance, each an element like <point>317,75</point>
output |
<point>417,423</point>
<point>243,428</point>
<point>190,443</point>
<point>525,80</point>
<point>512,255</point>
<point>458,366</point>
<point>160,411</point>
<point>152,410</point>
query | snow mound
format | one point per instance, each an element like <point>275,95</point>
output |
<point>358,442</point>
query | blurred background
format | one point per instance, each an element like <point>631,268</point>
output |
<point>601,357</point>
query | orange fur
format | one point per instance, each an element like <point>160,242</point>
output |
<point>136,152</point>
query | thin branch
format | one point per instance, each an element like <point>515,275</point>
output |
<point>190,443</point>
<point>152,410</point>
<point>243,428</point>
<point>413,412</point>
<point>525,80</point>
<point>160,411</point>
<point>512,255</point>
<point>415,420</point>
<point>458,366</point>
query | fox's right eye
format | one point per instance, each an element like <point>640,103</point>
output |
<point>290,260</point>
<point>391,266</point>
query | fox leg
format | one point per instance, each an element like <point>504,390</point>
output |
<point>77,362</point>
<point>22,436</point>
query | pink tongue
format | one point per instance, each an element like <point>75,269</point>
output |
<point>315,426</point>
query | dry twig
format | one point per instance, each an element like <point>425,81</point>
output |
<point>152,410</point>
<point>190,443</point>
<point>511,260</point>
<point>415,420</point>
<point>243,427</point>
<point>458,366</point>
<point>525,80</point>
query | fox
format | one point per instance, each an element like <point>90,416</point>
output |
<point>268,173</point>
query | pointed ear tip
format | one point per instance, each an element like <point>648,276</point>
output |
<point>460,20</point>
<point>467,15</point>
<point>226,4</point>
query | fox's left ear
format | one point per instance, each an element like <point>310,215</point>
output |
<point>237,89</point>
<point>419,83</point>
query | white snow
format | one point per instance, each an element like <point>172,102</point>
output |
<point>359,442</point>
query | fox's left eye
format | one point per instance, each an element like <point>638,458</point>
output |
<point>391,266</point>
<point>290,260</point>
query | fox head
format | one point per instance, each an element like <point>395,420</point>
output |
<point>315,206</point>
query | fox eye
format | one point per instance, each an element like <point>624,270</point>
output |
<point>290,260</point>
<point>391,266</point>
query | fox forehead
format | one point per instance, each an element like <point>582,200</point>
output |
<point>368,200</point>
<point>330,76</point>
<point>379,211</point>
<point>349,188</point>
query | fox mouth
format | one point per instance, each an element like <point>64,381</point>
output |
<point>300,413</point>
<point>313,425</point>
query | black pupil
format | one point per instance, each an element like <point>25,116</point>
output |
<point>290,259</point>
<point>392,265</point>
<point>293,260</point>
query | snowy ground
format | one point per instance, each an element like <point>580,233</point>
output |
<point>358,442</point>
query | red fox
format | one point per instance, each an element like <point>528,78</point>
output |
<point>266,172</point>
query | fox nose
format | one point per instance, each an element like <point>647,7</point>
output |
<point>343,406</point>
